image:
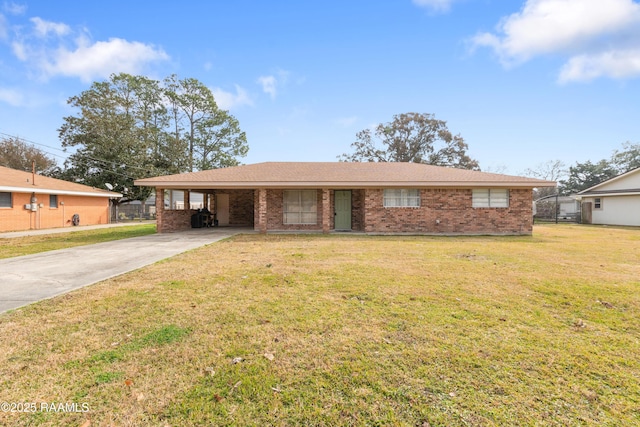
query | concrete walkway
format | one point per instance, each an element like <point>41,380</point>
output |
<point>32,278</point>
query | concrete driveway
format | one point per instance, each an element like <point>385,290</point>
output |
<point>32,278</point>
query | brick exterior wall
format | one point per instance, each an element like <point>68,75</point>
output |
<point>171,220</point>
<point>241,212</point>
<point>449,211</point>
<point>441,211</point>
<point>92,211</point>
<point>260,211</point>
<point>174,220</point>
<point>275,214</point>
<point>357,210</point>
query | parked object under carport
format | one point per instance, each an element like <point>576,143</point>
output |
<point>197,220</point>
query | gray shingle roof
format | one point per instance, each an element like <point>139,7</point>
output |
<point>339,175</point>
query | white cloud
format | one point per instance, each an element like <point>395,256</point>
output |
<point>52,49</point>
<point>577,28</point>
<point>44,28</point>
<point>346,121</point>
<point>436,5</point>
<point>228,100</point>
<point>618,64</point>
<point>14,8</point>
<point>4,27</point>
<point>100,59</point>
<point>11,97</point>
<point>268,84</point>
<point>20,50</point>
<point>279,79</point>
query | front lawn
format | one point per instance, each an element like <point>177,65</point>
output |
<point>17,246</point>
<point>343,330</point>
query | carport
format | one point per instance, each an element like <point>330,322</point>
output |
<point>230,207</point>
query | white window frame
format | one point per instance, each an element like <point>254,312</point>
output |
<point>53,201</point>
<point>10,205</point>
<point>490,198</point>
<point>401,198</point>
<point>300,207</point>
<point>597,203</point>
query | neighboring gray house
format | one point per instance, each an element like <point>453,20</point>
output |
<point>567,208</point>
<point>613,202</point>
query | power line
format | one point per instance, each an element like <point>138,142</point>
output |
<point>31,142</point>
<point>108,163</point>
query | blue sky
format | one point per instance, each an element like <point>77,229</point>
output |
<point>523,81</point>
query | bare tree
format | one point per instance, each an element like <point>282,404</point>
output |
<point>552,170</point>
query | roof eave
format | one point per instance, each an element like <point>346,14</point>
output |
<point>38,190</point>
<point>607,194</point>
<point>339,184</point>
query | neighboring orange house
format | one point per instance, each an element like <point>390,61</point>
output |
<point>30,202</point>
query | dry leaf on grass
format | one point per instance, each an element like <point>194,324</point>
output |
<point>235,386</point>
<point>605,303</point>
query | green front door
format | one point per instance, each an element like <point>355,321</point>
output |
<point>342,200</point>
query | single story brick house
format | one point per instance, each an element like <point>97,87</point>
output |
<point>613,202</point>
<point>29,202</point>
<point>344,196</point>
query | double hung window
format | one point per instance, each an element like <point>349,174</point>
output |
<point>401,198</point>
<point>490,198</point>
<point>300,207</point>
<point>5,200</point>
<point>597,203</point>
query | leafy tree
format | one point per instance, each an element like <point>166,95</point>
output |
<point>412,137</point>
<point>626,159</point>
<point>17,154</point>
<point>131,127</point>
<point>213,136</point>
<point>586,175</point>
<point>176,149</point>
<point>113,136</point>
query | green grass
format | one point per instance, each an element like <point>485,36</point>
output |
<point>345,330</point>
<point>18,246</point>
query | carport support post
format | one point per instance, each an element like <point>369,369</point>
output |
<point>261,224</point>
<point>159,208</point>
<point>326,214</point>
